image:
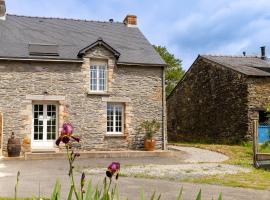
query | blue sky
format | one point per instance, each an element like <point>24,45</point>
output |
<point>186,27</point>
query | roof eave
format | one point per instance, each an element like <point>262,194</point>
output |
<point>142,64</point>
<point>46,59</point>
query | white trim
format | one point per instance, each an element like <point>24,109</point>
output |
<point>44,143</point>
<point>45,98</point>
<point>114,119</point>
<point>98,65</point>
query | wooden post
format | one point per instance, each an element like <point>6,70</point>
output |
<point>255,142</point>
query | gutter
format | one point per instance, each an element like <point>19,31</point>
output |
<point>141,64</point>
<point>41,60</point>
<point>164,113</point>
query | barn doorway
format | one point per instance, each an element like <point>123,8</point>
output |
<point>264,127</point>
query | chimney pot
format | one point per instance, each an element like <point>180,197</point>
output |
<point>263,54</point>
<point>131,20</point>
<point>2,10</point>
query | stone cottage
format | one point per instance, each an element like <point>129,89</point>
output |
<point>105,76</point>
<point>218,98</point>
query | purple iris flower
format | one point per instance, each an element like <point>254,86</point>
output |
<point>113,168</point>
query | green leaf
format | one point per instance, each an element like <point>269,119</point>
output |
<point>70,193</point>
<point>220,196</point>
<point>56,191</point>
<point>153,196</point>
<point>89,192</point>
<point>199,196</point>
<point>180,194</point>
<point>142,195</point>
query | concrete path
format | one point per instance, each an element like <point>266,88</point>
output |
<point>38,177</point>
<point>197,155</point>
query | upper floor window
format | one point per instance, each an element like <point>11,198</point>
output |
<point>98,76</point>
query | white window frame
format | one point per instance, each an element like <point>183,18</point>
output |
<point>44,143</point>
<point>114,132</point>
<point>98,65</point>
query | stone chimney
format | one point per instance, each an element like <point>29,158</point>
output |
<point>130,20</point>
<point>2,10</point>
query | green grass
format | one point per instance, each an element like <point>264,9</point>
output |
<point>4,198</point>
<point>265,147</point>
<point>238,155</point>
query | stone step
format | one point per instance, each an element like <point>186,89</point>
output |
<point>99,154</point>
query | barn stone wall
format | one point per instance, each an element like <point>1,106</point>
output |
<point>209,105</point>
<point>259,97</point>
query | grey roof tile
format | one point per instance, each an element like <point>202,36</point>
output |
<point>16,32</point>
<point>249,65</point>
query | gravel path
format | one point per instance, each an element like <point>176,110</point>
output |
<point>196,163</point>
<point>197,155</point>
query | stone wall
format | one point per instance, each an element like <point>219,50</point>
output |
<point>209,105</point>
<point>259,97</point>
<point>138,88</point>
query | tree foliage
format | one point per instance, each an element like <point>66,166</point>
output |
<point>174,71</point>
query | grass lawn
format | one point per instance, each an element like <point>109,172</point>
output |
<point>238,155</point>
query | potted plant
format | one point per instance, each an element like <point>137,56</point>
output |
<point>150,128</point>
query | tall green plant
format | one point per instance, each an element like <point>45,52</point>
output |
<point>150,127</point>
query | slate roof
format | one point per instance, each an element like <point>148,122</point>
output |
<point>71,36</point>
<point>249,65</point>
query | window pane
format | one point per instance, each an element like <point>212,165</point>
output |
<point>98,77</point>
<point>51,122</point>
<point>38,122</point>
<point>93,77</point>
<point>114,118</point>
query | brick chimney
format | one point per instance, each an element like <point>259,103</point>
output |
<point>130,20</point>
<point>2,10</point>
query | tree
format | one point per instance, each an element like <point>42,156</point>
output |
<point>174,71</point>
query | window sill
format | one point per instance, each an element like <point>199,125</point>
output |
<point>115,135</point>
<point>98,93</point>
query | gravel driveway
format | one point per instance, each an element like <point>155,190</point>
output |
<point>196,163</point>
<point>197,155</point>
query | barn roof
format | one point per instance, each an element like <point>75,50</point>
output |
<point>248,65</point>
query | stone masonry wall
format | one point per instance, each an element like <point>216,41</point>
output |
<point>259,97</point>
<point>138,88</point>
<point>209,105</point>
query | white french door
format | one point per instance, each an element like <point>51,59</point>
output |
<point>45,126</point>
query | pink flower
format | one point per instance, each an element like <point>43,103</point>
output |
<point>113,168</point>
<point>66,134</point>
<point>67,128</point>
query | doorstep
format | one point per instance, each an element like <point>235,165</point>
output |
<point>99,154</point>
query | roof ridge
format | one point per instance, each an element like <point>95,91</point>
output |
<point>230,56</point>
<point>63,18</point>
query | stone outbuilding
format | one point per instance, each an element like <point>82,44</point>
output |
<point>103,77</point>
<point>218,99</point>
